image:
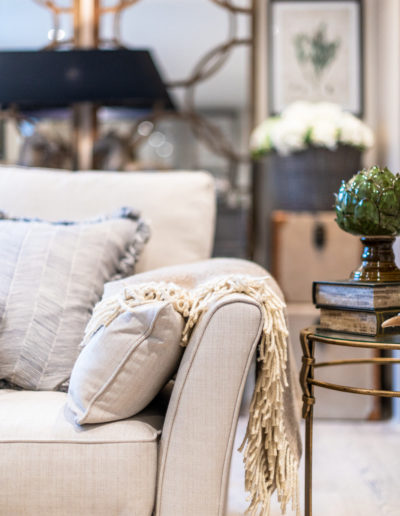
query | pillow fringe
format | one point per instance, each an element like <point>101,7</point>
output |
<point>270,462</point>
<point>134,250</point>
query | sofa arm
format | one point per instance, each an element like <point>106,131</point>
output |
<point>199,430</point>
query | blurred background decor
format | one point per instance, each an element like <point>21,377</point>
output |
<point>316,52</point>
<point>301,157</point>
<point>1,139</point>
<point>195,120</point>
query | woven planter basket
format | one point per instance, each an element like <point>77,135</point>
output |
<point>306,180</point>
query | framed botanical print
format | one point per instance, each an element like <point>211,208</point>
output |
<point>316,53</point>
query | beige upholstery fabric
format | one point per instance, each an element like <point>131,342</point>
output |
<point>48,467</point>
<point>124,365</point>
<point>182,234</point>
<point>207,418</point>
<point>197,438</point>
<point>68,478</point>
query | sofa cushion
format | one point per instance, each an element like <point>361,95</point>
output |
<point>179,205</point>
<point>51,467</point>
<point>125,365</point>
<point>51,276</point>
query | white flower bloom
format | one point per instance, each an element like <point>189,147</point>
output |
<point>260,140</point>
<point>327,110</point>
<point>324,133</point>
<point>303,123</point>
<point>301,111</point>
<point>354,132</point>
<point>289,136</point>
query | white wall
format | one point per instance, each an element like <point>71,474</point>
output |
<point>388,87</point>
<point>371,77</point>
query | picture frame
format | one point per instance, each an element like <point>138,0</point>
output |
<point>316,53</point>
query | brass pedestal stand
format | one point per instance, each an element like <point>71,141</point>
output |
<point>378,262</point>
<point>309,337</point>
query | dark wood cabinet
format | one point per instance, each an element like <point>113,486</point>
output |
<point>231,232</point>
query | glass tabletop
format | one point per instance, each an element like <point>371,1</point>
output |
<point>385,340</point>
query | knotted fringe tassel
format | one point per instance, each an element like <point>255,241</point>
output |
<point>270,463</point>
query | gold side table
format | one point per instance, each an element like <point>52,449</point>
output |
<point>309,337</point>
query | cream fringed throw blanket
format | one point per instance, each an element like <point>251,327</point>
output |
<point>270,447</point>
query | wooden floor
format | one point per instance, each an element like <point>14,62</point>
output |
<point>356,471</point>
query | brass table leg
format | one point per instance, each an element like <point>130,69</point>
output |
<point>307,381</point>
<point>307,373</point>
<point>308,464</point>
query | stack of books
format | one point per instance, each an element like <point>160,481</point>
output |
<point>360,308</point>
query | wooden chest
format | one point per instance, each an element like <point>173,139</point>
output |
<point>309,247</point>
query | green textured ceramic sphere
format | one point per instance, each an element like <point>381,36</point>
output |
<point>369,203</point>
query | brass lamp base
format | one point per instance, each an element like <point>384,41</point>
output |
<point>377,260</point>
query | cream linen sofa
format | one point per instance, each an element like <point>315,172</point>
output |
<point>173,463</point>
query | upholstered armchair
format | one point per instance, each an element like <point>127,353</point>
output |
<point>172,459</point>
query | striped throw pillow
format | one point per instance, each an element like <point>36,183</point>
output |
<point>51,276</point>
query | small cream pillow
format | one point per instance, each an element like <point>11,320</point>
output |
<point>126,364</point>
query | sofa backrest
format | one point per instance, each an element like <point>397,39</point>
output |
<point>180,206</point>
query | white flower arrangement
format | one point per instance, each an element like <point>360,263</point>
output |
<point>306,124</point>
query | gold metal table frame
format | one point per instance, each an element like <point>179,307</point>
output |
<point>309,337</point>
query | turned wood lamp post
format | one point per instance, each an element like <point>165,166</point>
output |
<point>86,36</point>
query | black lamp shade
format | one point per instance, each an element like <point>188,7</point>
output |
<point>46,79</point>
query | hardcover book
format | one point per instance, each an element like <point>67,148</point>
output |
<point>362,322</point>
<point>357,295</point>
